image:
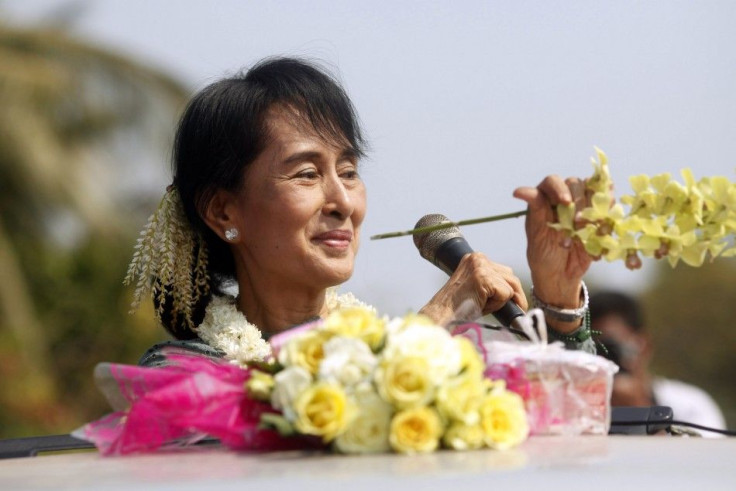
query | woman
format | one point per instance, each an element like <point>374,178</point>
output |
<point>267,195</point>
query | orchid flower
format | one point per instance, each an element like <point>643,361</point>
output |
<point>688,222</point>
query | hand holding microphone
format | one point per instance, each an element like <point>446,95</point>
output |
<point>557,263</point>
<point>490,287</point>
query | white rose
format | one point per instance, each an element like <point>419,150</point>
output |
<point>431,342</point>
<point>369,430</point>
<point>288,384</point>
<point>347,361</point>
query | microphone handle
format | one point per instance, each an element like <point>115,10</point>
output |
<point>448,257</point>
<point>507,314</point>
<point>450,253</point>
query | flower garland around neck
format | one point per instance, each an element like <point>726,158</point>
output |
<point>225,328</point>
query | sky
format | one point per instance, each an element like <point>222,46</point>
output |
<point>464,101</point>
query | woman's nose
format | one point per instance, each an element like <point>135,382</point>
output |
<point>337,198</point>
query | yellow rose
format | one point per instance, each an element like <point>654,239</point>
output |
<point>471,361</point>
<point>405,381</point>
<point>503,419</point>
<point>357,322</point>
<point>459,398</point>
<point>411,319</point>
<point>322,410</point>
<point>305,350</point>
<point>460,436</point>
<point>259,385</point>
<point>415,430</point>
<point>368,432</point>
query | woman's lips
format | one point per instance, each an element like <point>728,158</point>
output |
<point>339,239</point>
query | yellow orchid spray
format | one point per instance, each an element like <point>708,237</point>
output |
<point>689,222</point>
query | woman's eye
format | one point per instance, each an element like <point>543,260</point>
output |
<point>308,174</point>
<point>349,170</point>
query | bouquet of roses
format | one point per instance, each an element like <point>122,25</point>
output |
<point>354,381</point>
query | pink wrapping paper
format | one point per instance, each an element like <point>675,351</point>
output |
<point>179,404</point>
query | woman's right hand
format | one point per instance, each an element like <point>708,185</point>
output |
<point>477,287</point>
<point>557,263</point>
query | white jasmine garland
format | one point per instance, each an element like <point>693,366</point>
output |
<point>343,301</point>
<point>225,328</point>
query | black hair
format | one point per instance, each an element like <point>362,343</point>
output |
<point>223,130</point>
<point>616,303</point>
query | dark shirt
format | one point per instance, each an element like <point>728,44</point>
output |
<point>155,357</point>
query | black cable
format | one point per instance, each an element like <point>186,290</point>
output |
<point>670,422</point>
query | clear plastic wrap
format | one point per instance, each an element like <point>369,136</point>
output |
<point>565,392</point>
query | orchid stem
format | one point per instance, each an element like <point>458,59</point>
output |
<point>440,226</point>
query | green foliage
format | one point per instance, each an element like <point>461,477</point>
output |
<point>83,308</point>
<point>691,314</point>
<point>74,119</point>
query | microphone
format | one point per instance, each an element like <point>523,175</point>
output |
<point>445,248</point>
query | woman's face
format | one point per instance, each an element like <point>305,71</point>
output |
<point>300,208</point>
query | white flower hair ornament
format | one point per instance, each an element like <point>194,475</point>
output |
<point>170,259</point>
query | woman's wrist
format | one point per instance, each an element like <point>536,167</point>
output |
<point>564,295</point>
<point>564,316</point>
<point>438,314</point>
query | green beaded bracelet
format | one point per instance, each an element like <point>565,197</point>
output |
<point>579,335</point>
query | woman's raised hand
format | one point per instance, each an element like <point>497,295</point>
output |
<point>557,262</point>
<point>477,287</point>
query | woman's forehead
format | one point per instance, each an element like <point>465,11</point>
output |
<point>286,123</point>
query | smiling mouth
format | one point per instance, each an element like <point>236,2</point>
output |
<point>336,239</point>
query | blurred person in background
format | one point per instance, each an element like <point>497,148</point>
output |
<point>620,320</point>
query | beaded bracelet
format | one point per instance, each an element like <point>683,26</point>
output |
<point>579,337</point>
<point>582,333</point>
<point>564,315</point>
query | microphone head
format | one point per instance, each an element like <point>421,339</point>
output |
<point>429,242</point>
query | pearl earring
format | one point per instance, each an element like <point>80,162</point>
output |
<point>231,234</point>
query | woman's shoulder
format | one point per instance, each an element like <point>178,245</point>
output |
<point>155,356</point>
